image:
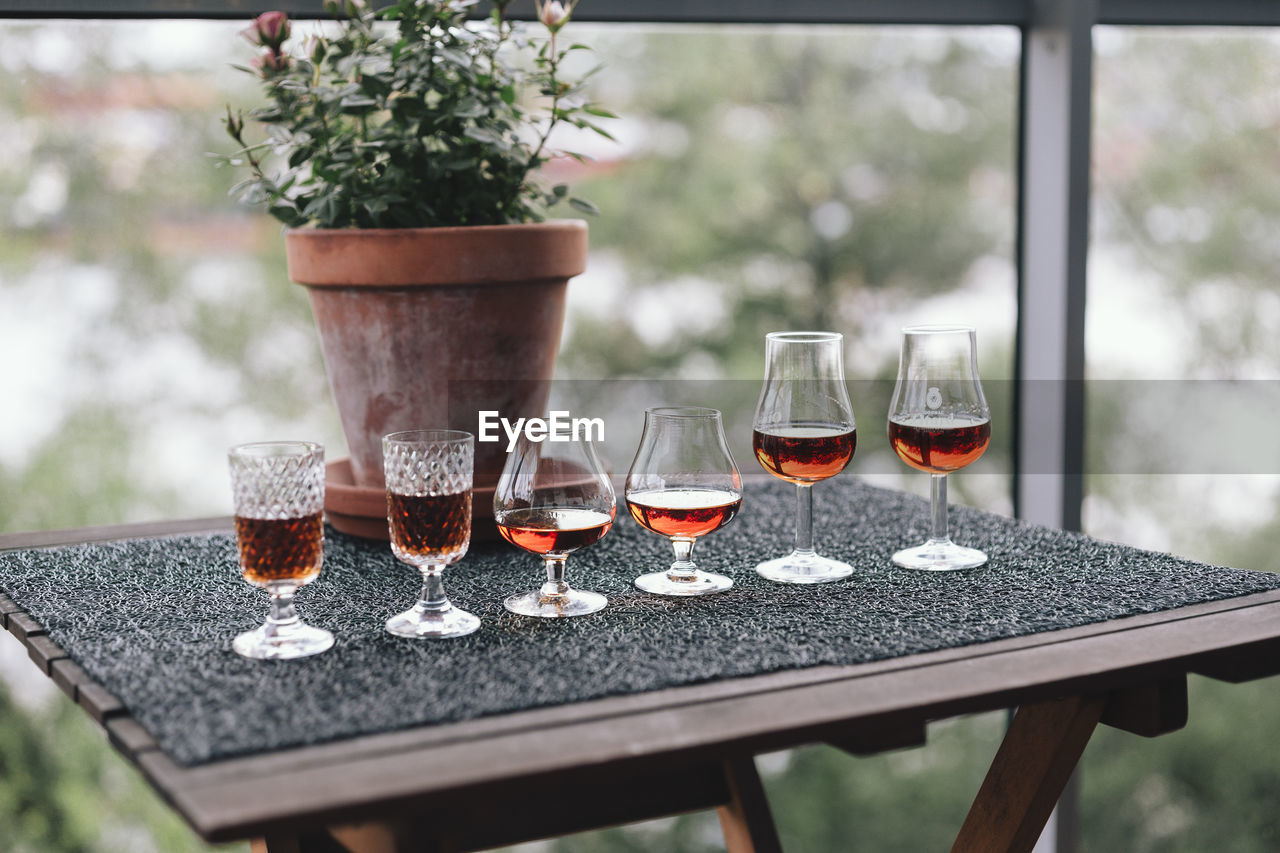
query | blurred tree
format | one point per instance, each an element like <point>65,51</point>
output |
<point>1186,202</point>
<point>33,816</point>
<point>803,169</point>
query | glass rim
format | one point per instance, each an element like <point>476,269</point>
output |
<point>274,449</point>
<point>682,412</point>
<point>425,436</point>
<point>937,329</point>
<point>804,337</point>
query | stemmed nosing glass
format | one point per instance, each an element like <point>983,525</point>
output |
<point>552,499</point>
<point>683,484</point>
<point>939,422</point>
<point>804,433</point>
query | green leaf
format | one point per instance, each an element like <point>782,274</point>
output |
<point>583,205</point>
<point>483,134</point>
<point>586,125</point>
<point>469,107</point>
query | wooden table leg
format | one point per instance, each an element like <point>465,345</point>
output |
<point>746,819</point>
<point>1032,766</point>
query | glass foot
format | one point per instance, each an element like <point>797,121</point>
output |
<point>575,602</point>
<point>940,555</point>
<point>420,623</point>
<point>799,567</point>
<point>282,642</point>
<point>699,583</point>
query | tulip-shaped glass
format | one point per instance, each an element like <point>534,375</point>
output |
<point>278,490</point>
<point>804,433</point>
<point>554,498</point>
<point>429,474</point>
<point>683,484</point>
<point>939,422</point>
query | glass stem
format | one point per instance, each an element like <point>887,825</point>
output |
<point>683,568</point>
<point>938,503</point>
<point>555,585</point>
<point>804,518</point>
<point>432,598</point>
<point>282,615</point>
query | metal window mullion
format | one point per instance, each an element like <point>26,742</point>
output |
<point>1052,246</point>
<point>1053,241</point>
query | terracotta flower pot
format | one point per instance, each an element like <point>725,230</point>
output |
<point>425,327</point>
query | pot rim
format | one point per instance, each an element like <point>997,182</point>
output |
<point>552,251</point>
<point>442,230</point>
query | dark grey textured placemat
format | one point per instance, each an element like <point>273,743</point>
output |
<point>152,620</point>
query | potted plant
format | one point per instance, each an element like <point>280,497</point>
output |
<point>402,152</point>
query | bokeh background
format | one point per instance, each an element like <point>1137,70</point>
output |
<point>848,178</point>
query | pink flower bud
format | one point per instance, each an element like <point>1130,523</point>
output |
<point>271,63</point>
<point>314,47</point>
<point>554,14</point>
<point>269,29</point>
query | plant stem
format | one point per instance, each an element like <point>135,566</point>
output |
<point>553,62</point>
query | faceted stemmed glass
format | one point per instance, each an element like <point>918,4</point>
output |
<point>429,474</point>
<point>939,422</point>
<point>804,433</point>
<point>278,492</point>
<point>554,498</point>
<point>683,484</point>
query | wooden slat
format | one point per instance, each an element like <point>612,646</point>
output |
<point>7,606</point>
<point>43,652</point>
<point>95,699</point>
<point>1150,710</point>
<point>746,820</point>
<point>517,810</point>
<point>1032,766</point>
<point>128,736</point>
<point>68,675</point>
<point>22,626</point>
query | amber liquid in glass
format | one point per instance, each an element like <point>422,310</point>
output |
<point>429,527</point>
<point>939,444</point>
<point>683,513</point>
<point>280,551</point>
<point>553,530</point>
<point>805,453</point>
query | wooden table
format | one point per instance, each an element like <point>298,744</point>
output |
<point>545,772</point>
